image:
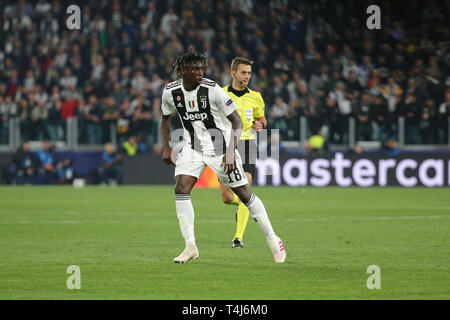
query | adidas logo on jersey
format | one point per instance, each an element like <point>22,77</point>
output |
<point>196,116</point>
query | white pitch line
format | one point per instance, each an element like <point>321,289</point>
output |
<point>205,219</point>
<point>368,218</point>
<point>57,222</point>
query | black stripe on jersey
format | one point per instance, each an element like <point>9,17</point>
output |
<point>217,137</point>
<point>178,98</point>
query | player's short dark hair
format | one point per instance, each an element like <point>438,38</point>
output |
<point>240,60</point>
<point>187,60</point>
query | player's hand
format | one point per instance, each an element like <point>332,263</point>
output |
<point>257,125</point>
<point>228,162</point>
<point>167,156</point>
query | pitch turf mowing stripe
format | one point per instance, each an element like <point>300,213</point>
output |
<point>124,239</point>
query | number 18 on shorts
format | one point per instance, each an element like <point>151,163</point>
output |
<point>192,163</point>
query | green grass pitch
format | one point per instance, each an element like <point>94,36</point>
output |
<point>124,239</point>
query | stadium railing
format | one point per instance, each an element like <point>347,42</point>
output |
<point>71,141</point>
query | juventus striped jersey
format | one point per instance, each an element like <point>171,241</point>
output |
<point>203,113</point>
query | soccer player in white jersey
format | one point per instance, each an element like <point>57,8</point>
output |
<point>212,128</point>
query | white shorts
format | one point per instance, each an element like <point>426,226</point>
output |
<point>192,163</point>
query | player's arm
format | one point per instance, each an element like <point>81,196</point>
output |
<point>165,138</point>
<point>229,161</point>
<point>166,114</point>
<point>229,108</point>
<point>236,125</point>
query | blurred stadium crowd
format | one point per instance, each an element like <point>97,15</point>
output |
<point>313,59</point>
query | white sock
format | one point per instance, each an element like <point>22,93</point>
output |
<point>259,214</point>
<point>185,215</point>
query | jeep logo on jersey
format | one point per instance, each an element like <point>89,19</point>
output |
<point>193,106</point>
<point>195,116</point>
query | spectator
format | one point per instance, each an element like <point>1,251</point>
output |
<point>414,90</point>
<point>54,123</point>
<point>390,91</point>
<point>92,115</point>
<point>154,127</point>
<point>13,83</point>
<point>317,143</point>
<point>110,171</point>
<point>411,112</point>
<point>288,41</point>
<point>167,20</point>
<point>281,64</point>
<point>142,117</point>
<point>24,165</point>
<point>38,121</point>
<point>363,119</point>
<point>118,93</point>
<point>279,112</point>
<point>123,127</point>
<point>24,114</point>
<point>320,79</point>
<point>67,81</point>
<point>139,83</point>
<point>357,150</point>
<point>331,115</point>
<point>352,84</point>
<point>155,86</point>
<point>312,112</point>
<point>46,164</point>
<point>374,83</point>
<point>130,147</point>
<point>61,58</point>
<point>3,118</point>
<point>65,171</point>
<point>429,129</point>
<point>293,120</point>
<point>29,81</point>
<point>350,67</point>
<point>98,71</point>
<point>8,111</point>
<point>344,103</point>
<point>110,115</point>
<point>390,148</point>
<point>364,70</point>
<point>279,89</point>
<point>379,114</point>
<point>444,114</point>
<point>301,92</point>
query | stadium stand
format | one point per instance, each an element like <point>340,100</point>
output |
<point>314,60</point>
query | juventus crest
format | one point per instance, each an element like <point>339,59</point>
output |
<point>203,102</point>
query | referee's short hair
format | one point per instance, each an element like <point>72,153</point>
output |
<point>240,60</point>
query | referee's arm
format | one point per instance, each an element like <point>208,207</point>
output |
<point>260,123</point>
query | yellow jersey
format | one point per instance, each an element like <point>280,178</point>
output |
<point>250,105</point>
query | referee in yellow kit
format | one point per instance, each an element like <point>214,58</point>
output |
<point>250,106</point>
